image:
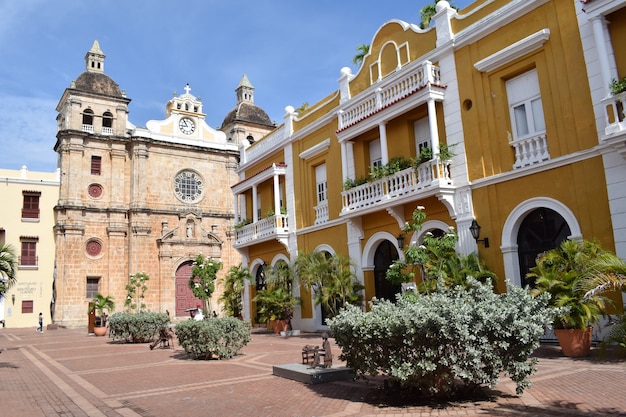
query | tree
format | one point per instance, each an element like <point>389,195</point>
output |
<point>135,292</point>
<point>332,280</point>
<point>202,280</point>
<point>362,51</point>
<point>429,11</point>
<point>233,290</point>
<point>276,302</point>
<point>436,260</point>
<point>100,303</point>
<point>8,268</point>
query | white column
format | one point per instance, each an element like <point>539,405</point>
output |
<point>384,153</point>
<point>255,208</point>
<point>599,28</point>
<point>432,123</point>
<point>237,219</point>
<point>276,194</point>
<point>344,161</point>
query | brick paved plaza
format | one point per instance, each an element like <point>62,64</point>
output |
<point>65,372</point>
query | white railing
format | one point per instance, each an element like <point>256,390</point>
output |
<point>267,227</point>
<point>270,142</point>
<point>88,128</point>
<point>530,151</point>
<point>389,93</point>
<point>615,113</point>
<point>429,174</point>
<point>107,130</point>
<point>321,212</point>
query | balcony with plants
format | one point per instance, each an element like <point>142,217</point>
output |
<point>615,108</point>
<point>274,223</point>
<point>401,178</point>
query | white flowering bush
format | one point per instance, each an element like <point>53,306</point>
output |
<point>219,338</point>
<point>202,279</point>
<point>455,338</point>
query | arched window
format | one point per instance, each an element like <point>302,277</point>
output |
<point>88,117</point>
<point>107,119</point>
<point>541,230</point>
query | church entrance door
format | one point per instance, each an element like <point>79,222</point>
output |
<point>184,297</point>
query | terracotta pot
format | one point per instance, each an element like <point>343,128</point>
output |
<point>99,331</point>
<point>277,326</point>
<point>574,342</point>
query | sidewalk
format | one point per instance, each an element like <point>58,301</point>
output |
<point>65,372</point>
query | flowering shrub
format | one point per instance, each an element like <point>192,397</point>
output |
<point>136,327</point>
<point>135,291</point>
<point>453,338</point>
<point>202,280</point>
<point>222,337</point>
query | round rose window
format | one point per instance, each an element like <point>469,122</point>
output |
<point>94,247</point>
<point>95,190</point>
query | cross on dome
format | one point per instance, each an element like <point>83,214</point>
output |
<point>187,88</point>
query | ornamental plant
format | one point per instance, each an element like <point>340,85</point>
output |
<point>232,297</point>
<point>435,260</point>
<point>138,327</point>
<point>202,280</point>
<point>220,338</point>
<point>456,338</point>
<point>135,292</point>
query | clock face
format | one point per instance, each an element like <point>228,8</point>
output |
<point>186,126</point>
<point>188,186</point>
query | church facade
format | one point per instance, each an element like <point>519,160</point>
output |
<point>138,199</point>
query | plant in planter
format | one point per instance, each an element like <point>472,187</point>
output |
<point>579,276</point>
<point>233,290</point>
<point>202,279</point>
<point>617,86</point>
<point>101,304</point>
<point>276,302</point>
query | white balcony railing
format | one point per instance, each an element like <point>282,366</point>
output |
<point>615,113</point>
<point>321,212</point>
<point>107,130</point>
<point>433,173</point>
<point>277,225</point>
<point>530,150</point>
<point>389,93</point>
<point>88,128</point>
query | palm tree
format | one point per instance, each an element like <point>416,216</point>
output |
<point>362,51</point>
<point>233,290</point>
<point>429,11</point>
<point>100,303</point>
<point>331,278</point>
<point>8,268</point>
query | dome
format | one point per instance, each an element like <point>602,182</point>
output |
<point>246,112</point>
<point>97,82</point>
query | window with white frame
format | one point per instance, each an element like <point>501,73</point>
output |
<point>421,131</point>
<point>525,105</point>
<point>376,158</point>
<point>321,183</point>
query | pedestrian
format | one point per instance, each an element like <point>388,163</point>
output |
<point>40,328</point>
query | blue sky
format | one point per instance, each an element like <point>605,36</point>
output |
<point>292,53</point>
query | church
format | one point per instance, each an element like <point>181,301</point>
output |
<point>142,199</point>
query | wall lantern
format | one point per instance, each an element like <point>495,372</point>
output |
<point>13,298</point>
<point>475,231</point>
<point>400,241</point>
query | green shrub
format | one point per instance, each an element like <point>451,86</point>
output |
<point>455,338</point>
<point>136,327</point>
<point>223,337</point>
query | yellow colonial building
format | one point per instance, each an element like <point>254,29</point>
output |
<point>27,224</point>
<point>139,199</point>
<point>503,107</point>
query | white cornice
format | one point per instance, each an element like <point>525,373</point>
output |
<point>315,150</point>
<point>514,51</point>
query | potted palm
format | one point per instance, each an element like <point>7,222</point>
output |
<point>101,304</point>
<point>276,302</point>
<point>580,277</point>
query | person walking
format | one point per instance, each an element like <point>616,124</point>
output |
<point>40,328</point>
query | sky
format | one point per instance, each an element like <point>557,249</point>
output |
<point>292,53</point>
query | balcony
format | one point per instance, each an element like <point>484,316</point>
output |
<point>529,151</point>
<point>273,227</point>
<point>388,190</point>
<point>615,114</point>
<point>321,213</point>
<point>87,128</point>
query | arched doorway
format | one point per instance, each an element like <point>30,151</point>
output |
<point>384,256</point>
<point>541,230</point>
<point>184,297</point>
<point>260,284</point>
